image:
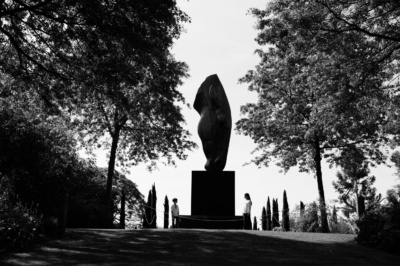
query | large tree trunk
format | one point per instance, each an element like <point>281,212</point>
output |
<point>322,205</point>
<point>360,206</point>
<point>110,174</point>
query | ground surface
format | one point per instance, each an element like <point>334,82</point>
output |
<point>185,246</point>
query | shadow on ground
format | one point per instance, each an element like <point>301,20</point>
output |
<point>128,247</point>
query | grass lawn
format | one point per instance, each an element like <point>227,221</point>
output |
<point>187,246</point>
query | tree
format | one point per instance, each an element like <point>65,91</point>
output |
<point>269,217</point>
<point>108,66</point>
<point>125,191</point>
<point>133,110</point>
<point>38,152</point>
<point>86,206</point>
<point>263,219</point>
<point>147,218</point>
<point>375,19</point>
<point>57,37</point>
<point>275,213</point>
<point>154,206</point>
<point>354,182</point>
<point>302,208</point>
<point>311,223</point>
<point>255,223</point>
<point>311,103</point>
<point>166,213</point>
<point>285,213</point>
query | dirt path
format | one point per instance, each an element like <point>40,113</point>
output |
<point>184,246</point>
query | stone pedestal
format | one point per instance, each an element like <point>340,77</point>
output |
<point>213,193</point>
<point>213,201</point>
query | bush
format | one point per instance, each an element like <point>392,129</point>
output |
<point>380,228</point>
<point>341,227</point>
<point>18,223</point>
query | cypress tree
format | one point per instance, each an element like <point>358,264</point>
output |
<point>263,219</point>
<point>153,207</point>
<point>255,223</point>
<point>122,210</point>
<point>166,212</point>
<point>147,212</point>
<point>275,215</point>
<point>269,217</point>
<point>285,213</point>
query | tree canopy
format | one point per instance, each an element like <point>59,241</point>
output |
<point>107,66</point>
<point>57,36</point>
<point>316,94</point>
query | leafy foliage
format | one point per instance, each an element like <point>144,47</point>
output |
<point>380,227</point>
<point>38,151</point>
<point>306,221</point>
<point>19,224</point>
<point>58,37</point>
<point>395,158</point>
<point>316,94</point>
<point>354,182</point>
<point>86,205</point>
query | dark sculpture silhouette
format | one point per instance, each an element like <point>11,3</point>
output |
<point>215,123</point>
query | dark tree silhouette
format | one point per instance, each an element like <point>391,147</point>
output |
<point>285,213</point>
<point>147,212</point>
<point>153,207</point>
<point>269,216</point>
<point>275,213</point>
<point>263,219</point>
<point>166,213</point>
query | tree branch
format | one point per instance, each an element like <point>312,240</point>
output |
<point>354,27</point>
<point>24,8</point>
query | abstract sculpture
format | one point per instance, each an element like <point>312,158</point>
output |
<point>215,123</point>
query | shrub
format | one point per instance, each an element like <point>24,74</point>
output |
<point>341,227</point>
<point>18,223</point>
<point>306,221</point>
<point>380,228</point>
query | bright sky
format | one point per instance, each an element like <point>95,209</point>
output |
<point>220,40</point>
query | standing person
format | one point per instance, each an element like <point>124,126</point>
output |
<point>175,214</point>
<point>246,212</point>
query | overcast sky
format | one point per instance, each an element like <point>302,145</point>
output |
<point>220,40</point>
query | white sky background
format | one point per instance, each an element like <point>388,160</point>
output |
<point>220,40</point>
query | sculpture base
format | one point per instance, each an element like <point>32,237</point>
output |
<point>213,193</point>
<point>213,202</point>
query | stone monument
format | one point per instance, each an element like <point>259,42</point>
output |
<point>213,190</point>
